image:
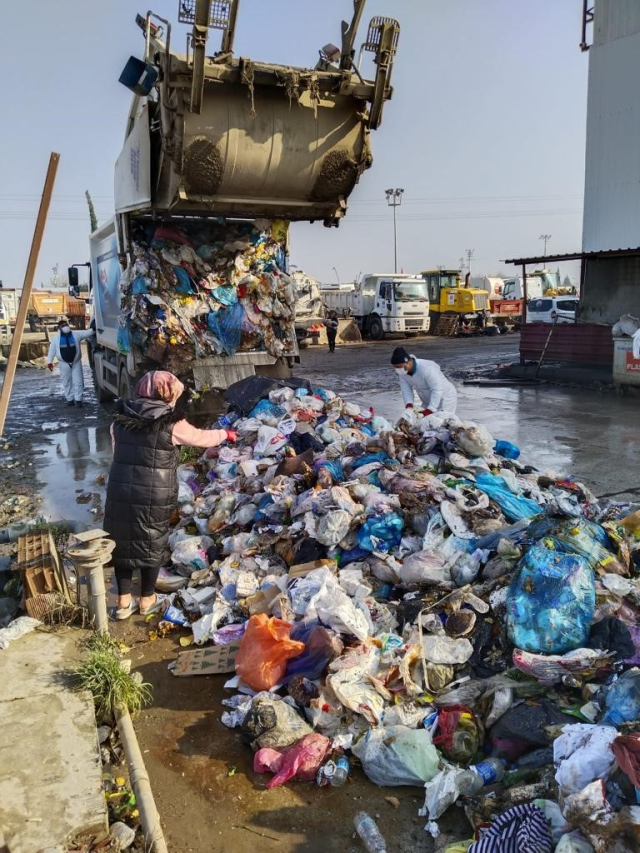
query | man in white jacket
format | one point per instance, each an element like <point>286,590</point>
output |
<point>435,391</point>
<point>65,348</point>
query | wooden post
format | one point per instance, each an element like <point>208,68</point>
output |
<point>12,361</point>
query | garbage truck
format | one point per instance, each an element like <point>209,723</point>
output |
<point>383,303</point>
<point>221,153</point>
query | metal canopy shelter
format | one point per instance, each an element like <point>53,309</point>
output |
<point>568,256</point>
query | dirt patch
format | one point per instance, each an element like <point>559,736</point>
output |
<point>203,167</point>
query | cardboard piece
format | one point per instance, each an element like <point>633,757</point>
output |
<point>303,569</point>
<point>213,660</point>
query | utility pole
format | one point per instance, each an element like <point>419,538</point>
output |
<point>545,238</point>
<point>469,255</point>
<point>394,200</point>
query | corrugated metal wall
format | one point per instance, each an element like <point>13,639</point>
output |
<point>612,182</point>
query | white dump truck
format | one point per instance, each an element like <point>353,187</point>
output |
<point>383,303</point>
<point>211,141</point>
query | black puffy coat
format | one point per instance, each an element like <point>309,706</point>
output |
<point>142,490</point>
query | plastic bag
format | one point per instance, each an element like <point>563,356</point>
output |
<point>264,651</point>
<point>573,842</point>
<point>583,754</point>
<point>270,440</point>
<point>273,722</point>
<point>226,325</point>
<point>440,793</point>
<point>333,527</point>
<point>550,669</point>
<point>190,553</point>
<point>523,727</point>
<point>300,761</point>
<point>333,607</point>
<point>320,648</point>
<point>475,440</point>
<point>506,449</point>
<point>550,602</point>
<point>577,536</point>
<point>16,629</point>
<point>512,506</point>
<point>381,532</point>
<point>397,755</point>
<point>623,699</point>
<point>423,567</point>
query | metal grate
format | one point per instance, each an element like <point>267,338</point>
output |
<point>374,33</point>
<point>218,17</point>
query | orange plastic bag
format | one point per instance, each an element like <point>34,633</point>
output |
<point>264,651</point>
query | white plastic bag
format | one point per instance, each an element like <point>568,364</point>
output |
<point>445,650</point>
<point>440,793</point>
<point>269,441</point>
<point>424,567</point>
<point>475,440</point>
<point>397,755</point>
<point>333,527</point>
<point>583,754</point>
<point>574,842</point>
<point>16,629</point>
<point>190,553</point>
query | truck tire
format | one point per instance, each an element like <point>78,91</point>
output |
<point>376,332</point>
<point>102,395</point>
<point>125,391</point>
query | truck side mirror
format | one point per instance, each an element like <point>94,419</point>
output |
<point>72,274</point>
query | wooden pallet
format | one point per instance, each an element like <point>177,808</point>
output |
<point>43,575</point>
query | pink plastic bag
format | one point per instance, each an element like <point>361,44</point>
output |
<point>300,761</point>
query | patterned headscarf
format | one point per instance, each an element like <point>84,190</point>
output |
<point>160,385</point>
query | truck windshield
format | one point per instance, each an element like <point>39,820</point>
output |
<point>410,291</point>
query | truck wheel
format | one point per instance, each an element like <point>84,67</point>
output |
<point>124,386</point>
<point>376,332</point>
<point>102,395</point>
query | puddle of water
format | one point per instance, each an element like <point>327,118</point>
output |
<point>70,471</point>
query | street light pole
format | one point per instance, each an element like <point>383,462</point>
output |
<point>545,238</point>
<point>394,200</point>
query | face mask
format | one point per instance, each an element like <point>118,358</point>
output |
<point>399,370</point>
<point>65,330</point>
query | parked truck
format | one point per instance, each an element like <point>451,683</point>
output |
<point>218,139</point>
<point>383,303</point>
<point>46,308</point>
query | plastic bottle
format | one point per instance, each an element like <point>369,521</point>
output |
<point>368,831</point>
<point>623,700</point>
<point>341,772</point>
<point>226,421</point>
<point>478,775</point>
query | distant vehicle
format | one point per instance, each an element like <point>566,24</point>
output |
<point>454,304</point>
<point>552,309</point>
<point>492,284</point>
<point>4,317</point>
<point>383,303</point>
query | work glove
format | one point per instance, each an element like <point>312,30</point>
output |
<point>231,435</point>
<point>50,366</point>
<point>426,412</point>
<point>409,406</point>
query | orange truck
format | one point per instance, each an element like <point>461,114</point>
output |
<point>46,308</point>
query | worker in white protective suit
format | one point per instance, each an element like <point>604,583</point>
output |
<point>65,349</point>
<point>426,378</point>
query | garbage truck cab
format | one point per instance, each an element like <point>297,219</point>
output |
<point>384,303</point>
<point>453,304</point>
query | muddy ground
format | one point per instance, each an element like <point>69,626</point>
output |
<point>208,796</point>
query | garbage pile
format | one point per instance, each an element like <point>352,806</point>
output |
<point>207,289</point>
<point>417,598</point>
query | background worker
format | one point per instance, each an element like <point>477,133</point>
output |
<point>65,348</point>
<point>331,324</point>
<point>142,492</point>
<point>426,378</point>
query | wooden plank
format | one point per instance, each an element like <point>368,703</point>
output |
<point>12,361</point>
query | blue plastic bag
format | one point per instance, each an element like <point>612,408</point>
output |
<point>506,449</point>
<point>321,646</point>
<point>380,532</point>
<point>513,506</point>
<point>575,536</point>
<point>550,602</point>
<point>334,467</point>
<point>226,325</point>
<point>124,339</point>
<point>368,458</point>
